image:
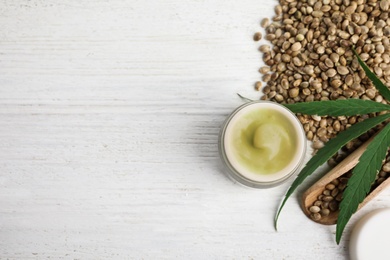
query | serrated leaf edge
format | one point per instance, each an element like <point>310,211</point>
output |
<point>346,107</point>
<point>378,148</point>
<point>382,88</point>
<point>325,153</point>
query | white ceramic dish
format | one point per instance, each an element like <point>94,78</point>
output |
<point>369,236</point>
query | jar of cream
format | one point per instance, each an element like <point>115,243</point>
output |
<point>262,144</point>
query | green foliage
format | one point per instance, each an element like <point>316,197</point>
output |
<point>382,88</point>
<point>363,175</point>
<point>371,160</point>
<point>330,148</point>
<point>348,107</point>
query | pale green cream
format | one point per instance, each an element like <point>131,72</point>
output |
<point>264,141</point>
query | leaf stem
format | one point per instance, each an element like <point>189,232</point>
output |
<point>245,98</point>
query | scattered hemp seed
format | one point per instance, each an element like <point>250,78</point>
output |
<point>258,85</point>
<point>257,36</point>
<point>264,23</point>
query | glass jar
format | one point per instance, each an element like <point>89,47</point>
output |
<point>266,140</point>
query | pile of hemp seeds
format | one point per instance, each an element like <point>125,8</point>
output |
<point>308,57</point>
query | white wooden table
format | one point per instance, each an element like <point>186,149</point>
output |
<point>110,112</point>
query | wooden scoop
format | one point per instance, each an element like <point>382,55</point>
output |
<point>311,195</point>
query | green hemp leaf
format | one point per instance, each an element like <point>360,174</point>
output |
<point>348,107</point>
<point>371,160</point>
<point>363,175</point>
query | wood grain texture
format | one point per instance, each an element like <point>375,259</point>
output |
<point>110,116</point>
